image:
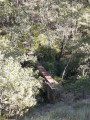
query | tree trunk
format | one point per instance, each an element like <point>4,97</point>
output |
<point>17,2</point>
<point>64,72</point>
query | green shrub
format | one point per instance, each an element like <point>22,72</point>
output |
<point>18,86</point>
<point>79,86</point>
<point>58,79</point>
<point>51,66</point>
<point>45,53</point>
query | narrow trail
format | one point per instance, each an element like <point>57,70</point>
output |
<point>45,74</point>
<point>50,84</point>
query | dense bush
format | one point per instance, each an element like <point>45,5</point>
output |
<point>80,86</point>
<point>18,86</point>
<point>46,53</point>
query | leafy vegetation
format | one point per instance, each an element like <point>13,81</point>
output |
<point>54,32</point>
<point>18,86</point>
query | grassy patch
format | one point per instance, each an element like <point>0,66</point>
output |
<point>68,112</point>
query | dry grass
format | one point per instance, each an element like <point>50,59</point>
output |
<point>78,111</point>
